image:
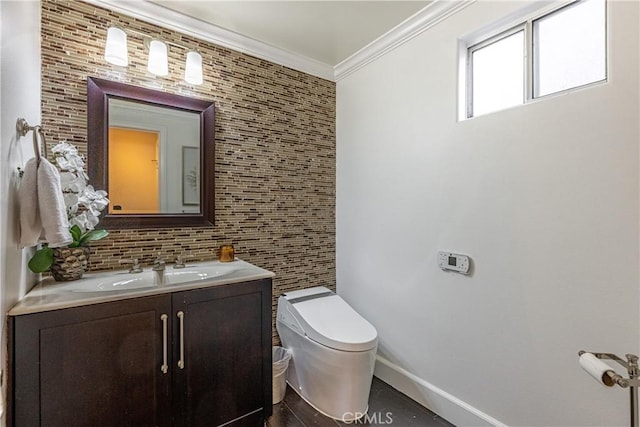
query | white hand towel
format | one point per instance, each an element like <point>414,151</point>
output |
<point>30,224</point>
<point>53,212</point>
<point>42,206</point>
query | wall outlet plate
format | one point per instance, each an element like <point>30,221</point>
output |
<point>453,262</point>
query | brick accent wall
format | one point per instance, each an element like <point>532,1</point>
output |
<point>275,146</point>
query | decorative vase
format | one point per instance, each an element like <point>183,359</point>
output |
<point>69,263</point>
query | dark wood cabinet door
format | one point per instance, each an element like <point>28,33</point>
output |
<point>97,365</point>
<point>226,336</point>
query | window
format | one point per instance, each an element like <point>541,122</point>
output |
<point>569,48</point>
<point>563,49</point>
<point>497,87</point>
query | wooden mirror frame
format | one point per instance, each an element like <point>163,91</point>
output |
<point>98,93</point>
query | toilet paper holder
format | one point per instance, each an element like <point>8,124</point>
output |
<point>610,377</point>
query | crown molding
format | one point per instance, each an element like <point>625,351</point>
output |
<point>167,18</point>
<point>435,12</point>
<point>421,21</point>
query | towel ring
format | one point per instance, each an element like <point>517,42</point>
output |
<point>23,128</point>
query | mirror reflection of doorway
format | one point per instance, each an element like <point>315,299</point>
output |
<point>133,171</point>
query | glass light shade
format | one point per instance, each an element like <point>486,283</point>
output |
<point>115,51</point>
<point>158,63</point>
<point>193,68</point>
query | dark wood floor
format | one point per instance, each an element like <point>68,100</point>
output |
<point>387,406</point>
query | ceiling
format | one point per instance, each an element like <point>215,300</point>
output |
<point>325,31</point>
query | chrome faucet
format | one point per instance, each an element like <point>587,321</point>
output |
<point>135,265</point>
<point>180,261</point>
<point>158,264</point>
<point>159,267</point>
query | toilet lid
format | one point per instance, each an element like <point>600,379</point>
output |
<point>330,321</point>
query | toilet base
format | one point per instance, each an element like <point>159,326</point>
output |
<point>345,419</point>
<point>336,383</point>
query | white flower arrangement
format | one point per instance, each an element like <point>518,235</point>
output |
<point>83,202</point>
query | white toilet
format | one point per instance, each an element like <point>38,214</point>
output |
<point>333,351</point>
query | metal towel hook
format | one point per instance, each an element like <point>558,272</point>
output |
<point>23,128</point>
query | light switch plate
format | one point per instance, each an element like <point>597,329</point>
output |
<point>453,262</point>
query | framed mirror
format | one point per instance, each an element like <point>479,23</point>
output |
<point>153,152</point>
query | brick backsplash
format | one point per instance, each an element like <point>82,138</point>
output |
<point>275,146</point>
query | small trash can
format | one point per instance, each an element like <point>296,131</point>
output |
<point>281,357</point>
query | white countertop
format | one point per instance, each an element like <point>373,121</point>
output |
<point>51,295</point>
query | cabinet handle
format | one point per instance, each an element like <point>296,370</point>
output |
<point>165,366</point>
<point>181,361</point>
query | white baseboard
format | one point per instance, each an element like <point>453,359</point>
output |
<point>435,399</point>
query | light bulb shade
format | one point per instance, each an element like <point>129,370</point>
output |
<point>158,62</point>
<point>115,52</point>
<point>193,68</point>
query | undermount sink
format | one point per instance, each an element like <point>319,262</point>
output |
<point>197,272</point>
<point>120,281</point>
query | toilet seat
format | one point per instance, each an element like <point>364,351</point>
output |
<point>327,319</point>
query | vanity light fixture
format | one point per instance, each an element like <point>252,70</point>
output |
<point>193,68</point>
<point>158,60</point>
<point>116,53</point>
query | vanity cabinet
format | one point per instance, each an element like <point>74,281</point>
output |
<point>225,355</point>
<point>200,357</point>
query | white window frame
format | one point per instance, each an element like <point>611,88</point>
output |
<point>522,21</point>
